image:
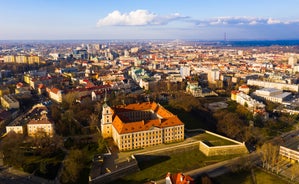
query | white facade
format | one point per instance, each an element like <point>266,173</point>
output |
<point>251,104</point>
<point>281,86</point>
<point>289,153</point>
<point>16,129</point>
<point>185,71</point>
<point>272,94</point>
<point>213,75</point>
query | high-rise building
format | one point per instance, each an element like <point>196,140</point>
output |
<point>185,71</point>
<point>292,60</point>
<point>213,76</point>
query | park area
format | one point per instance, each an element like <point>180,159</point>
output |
<point>155,166</point>
<point>159,165</point>
<point>212,140</point>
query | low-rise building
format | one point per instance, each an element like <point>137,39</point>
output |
<point>273,95</point>
<point>251,104</point>
<point>244,88</point>
<point>9,102</point>
<point>194,89</point>
<point>42,125</point>
<point>55,94</point>
<point>290,148</point>
<point>281,86</point>
<point>16,129</point>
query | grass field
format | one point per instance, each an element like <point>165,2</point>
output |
<point>213,140</point>
<point>244,177</point>
<point>158,166</point>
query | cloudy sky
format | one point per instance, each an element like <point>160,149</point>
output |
<point>149,19</point>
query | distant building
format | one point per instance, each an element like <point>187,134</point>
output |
<point>244,88</point>
<point>16,129</point>
<point>140,125</point>
<point>194,89</point>
<point>292,60</point>
<point>55,94</point>
<point>272,94</point>
<point>281,86</point>
<point>251,104</point>
<point>213,76</point>
<point>185,71</point>
<point>9,59</point>
<point>21,59</point>
<point>4,91</point>
<point>9,102</point>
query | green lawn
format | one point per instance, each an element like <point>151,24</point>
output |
<point>158,166</point>
<point>244,177</point>
<point>213,140</point>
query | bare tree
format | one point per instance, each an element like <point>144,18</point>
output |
<point>93,121</point>
<point>98,108</point>
<point>269,155</point>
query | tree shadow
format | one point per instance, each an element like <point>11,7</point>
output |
<point>145,161</point>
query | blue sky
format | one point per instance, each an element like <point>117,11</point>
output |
<point>149,19</point>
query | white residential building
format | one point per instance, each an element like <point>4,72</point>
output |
<point>272,94</point>
<point>266,84</point>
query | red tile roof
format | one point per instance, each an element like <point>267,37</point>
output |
<point>180,178</point>
<point>55,90</point>
<point>167,118</point>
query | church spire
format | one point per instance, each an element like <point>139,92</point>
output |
<point>105,99</point>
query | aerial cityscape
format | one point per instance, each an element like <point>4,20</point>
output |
<point>130,92</point>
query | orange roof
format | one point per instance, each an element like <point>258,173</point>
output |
<point>19,84</point>
<point>55,90</point>
<point>171,121</point>
<point>40,86</point>
<point>167,118</point>
<point>234,92</point>
<point>244,86</point>
<point>137,106</point>
<point>180,178</point>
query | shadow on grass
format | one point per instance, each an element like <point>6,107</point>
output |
<point>145,161</point>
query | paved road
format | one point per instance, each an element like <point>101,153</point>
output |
<point>13,176</point>
<point>8,177</point>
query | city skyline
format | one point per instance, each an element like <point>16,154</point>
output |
<point>54,20</point>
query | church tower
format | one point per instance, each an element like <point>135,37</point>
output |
<point>106,121</point>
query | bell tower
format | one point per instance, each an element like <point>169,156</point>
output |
<point>106,121</point>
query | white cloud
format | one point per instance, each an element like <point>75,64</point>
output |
<point>273,21</point>
<point>137,18</point>
<point>243,21</point>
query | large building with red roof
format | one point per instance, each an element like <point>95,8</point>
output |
<point>140,125</point>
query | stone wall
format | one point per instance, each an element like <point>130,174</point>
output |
<point>222,150</point>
